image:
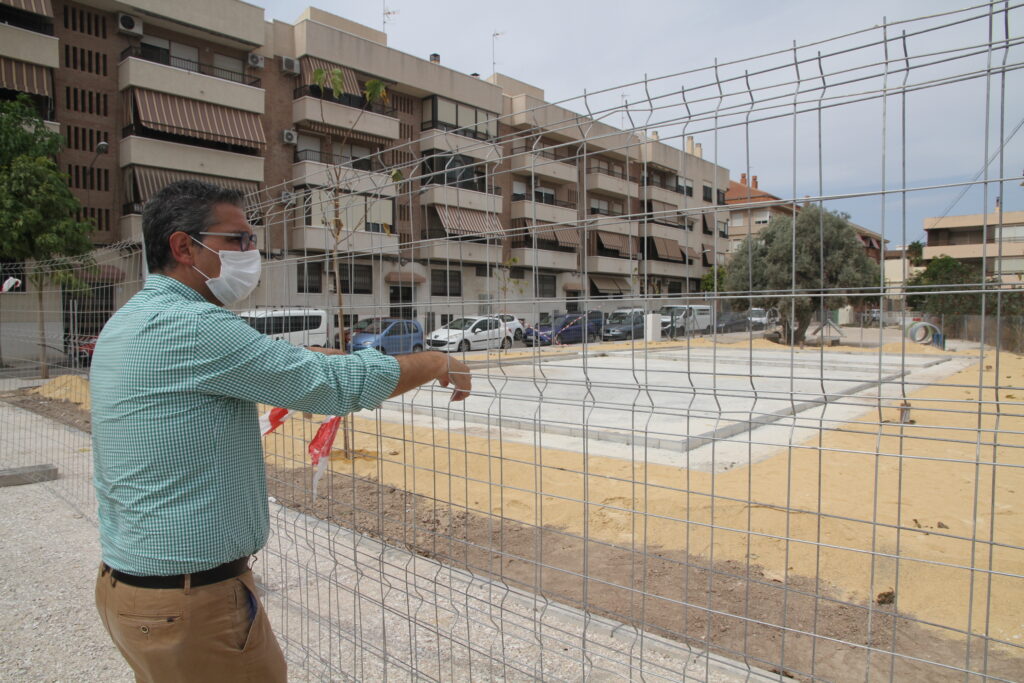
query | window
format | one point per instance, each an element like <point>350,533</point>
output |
<point>442,168</point>
<point>684,186</point>
<point>356,278</point>
<point>721,197</point>
<point>517,273</point>
<point>311,277</point>
<point>229,68</point>
<point>707,193</point>
<point>545,286</point>
<point>444,114</point>
<point>445,282</point>
<point>483,270</point>
<point>723,228</point>
<point>356,156</point>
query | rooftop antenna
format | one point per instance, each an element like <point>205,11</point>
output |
<point>385,15</point>
<point>494,39</point>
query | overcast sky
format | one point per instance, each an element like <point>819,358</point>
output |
<point>568,46</point>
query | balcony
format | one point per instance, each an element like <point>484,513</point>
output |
<point>527,257</point>
<point>142,151</point>
<point>611,182</point>
<point>665,268</point>
<point>548,210</point>
<point>543,164</point>
<point>455,143</point>
<point>460,250</point>
<point>1010,249</point>
<point>188,79</point>
<point>320,238</point>
<point>308,108</point>
<point>662,193</point>
<point>29,46</point>
<point>130,226</point>
<point>611,265</point>
<point>311,167</point>
<point>464,199</point>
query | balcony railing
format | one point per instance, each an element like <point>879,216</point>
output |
<point>598,211</point>
<point>347,99</point>
<point>474,185</point>
<point>545,153</point>
<point>543,199</point>
<point>663,184</point>
<point>164,57</point>
<point>189,137</point>
<point>452,128</point>
<point>131,208</point>
<point>371,163</point>
<point>610,172</point>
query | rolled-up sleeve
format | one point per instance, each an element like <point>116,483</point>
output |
<point>232,359</point>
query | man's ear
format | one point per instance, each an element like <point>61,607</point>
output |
<point>181,244</point>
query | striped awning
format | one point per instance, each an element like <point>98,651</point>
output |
<point>149,181</point>
<point>25,77</point>
<point>348,77</point>
<point>668,249</point>
<point>349,136</point>
<point>567,237</point>
<point>615,241</point>
<point>43,7</point>
<point>458,221</point>
<point>690,253</point>
<point>609,285</point>
<point>572,286</point>
<point>203,120</point>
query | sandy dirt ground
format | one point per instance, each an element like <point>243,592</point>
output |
<point>919,518</point>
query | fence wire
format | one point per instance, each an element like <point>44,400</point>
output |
<point>702,503</point>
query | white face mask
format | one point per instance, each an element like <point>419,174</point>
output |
<point>239,275</point>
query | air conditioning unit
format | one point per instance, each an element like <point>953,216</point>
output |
<point>255,60</point>
<point>287,198</point>
<point>290,65</point>
<point>290,136</point>
<point>129,25</point>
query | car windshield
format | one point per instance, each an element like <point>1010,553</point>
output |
<point>461,324</point>
<point>756,313</point>
<point>620,317</point>
<point>670,311</point>
<point>371,326</point>
<point>545,319</point>
<point>364,323</point>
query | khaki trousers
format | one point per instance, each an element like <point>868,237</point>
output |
<point>218,633</point>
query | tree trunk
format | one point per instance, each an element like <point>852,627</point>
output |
<point>801,330</point>
<point>44,369</point>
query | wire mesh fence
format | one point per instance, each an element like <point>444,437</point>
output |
<point>651,479</point>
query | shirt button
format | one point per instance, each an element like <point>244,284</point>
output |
<point>144,629</point>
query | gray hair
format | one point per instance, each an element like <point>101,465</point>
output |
<point>183,206</point>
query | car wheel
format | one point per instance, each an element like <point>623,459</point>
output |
<point>417,348</point>
<point>506,343</point>
<point>519,335</point>
<point>464,345</point>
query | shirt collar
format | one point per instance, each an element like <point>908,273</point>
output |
<point>163,284</point>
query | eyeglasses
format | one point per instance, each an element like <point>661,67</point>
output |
<point>246,240</point>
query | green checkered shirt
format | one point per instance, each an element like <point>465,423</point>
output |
<point>179,474</point>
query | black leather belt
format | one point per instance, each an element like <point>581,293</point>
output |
<point>228,570</point>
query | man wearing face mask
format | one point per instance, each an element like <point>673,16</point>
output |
<point>178,460</point>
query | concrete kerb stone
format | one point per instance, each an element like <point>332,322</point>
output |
<point>30,474</point>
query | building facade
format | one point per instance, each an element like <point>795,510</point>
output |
<point>993,241</point>
<point>454,195</point>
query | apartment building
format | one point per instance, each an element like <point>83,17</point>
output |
<point>994,239</point>
<point>755,208</point>
<point>499,198</point>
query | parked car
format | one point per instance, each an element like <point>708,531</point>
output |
<point>467,334</point>
<point>298,326</point>
<point>762,319</point>
<point>571,328</point>
<point>515,326</point>
<point>392,336</point>
<point>731,321</point>
<point>624,325</point>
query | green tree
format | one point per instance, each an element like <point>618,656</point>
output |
<point>938,289</point>
<point>915,253</point>
<point>713,280</point>
<point>764,263</point>
<point>38,221</point>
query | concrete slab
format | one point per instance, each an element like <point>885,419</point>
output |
<point>31,474</point>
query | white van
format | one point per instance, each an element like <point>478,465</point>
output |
<point>297,326</point>
<point>685,319</point>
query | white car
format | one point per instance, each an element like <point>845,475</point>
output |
<point>514,325</point>
<point>470,334</point>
